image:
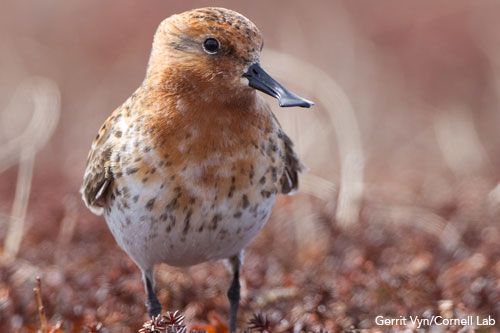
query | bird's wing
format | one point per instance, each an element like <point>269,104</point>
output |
<point>289,180</point>
<point>98,177</point>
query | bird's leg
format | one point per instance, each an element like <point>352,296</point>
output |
<point>152,303</point>
<point>234,291</point>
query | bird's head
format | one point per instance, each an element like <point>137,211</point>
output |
<point>213,54</point>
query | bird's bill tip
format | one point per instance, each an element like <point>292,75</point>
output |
<point>260,80</point>
<point>290,101</point>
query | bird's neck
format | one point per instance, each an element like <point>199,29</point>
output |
<point>204,125</point>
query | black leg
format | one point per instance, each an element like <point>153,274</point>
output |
<point>152,303</point>
<point>234,292</point>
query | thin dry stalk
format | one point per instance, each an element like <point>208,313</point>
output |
<point>44,326</point>
<point>45,97</point>
<point>20,205</point>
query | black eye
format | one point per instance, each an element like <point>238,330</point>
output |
<point>211,45</point>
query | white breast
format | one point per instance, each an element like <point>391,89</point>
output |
<point>214,232</point>
<point>214,226</point>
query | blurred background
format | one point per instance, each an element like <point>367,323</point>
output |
<point>398,214</point>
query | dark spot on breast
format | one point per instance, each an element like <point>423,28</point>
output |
<point>130,171</point>
<point>125,204</point>
<point>237,215</point>
<point>251,174</point>
<point>118,134</point>
<point>231,191</point>
<point>265,194</point>
<point>244,201</point>
<point>145,179</point>
<point>150,204</point>
<point>147,149</point>
<point>223,234</point>
<point>215,221</point>
<point>135,198</point>
<point>172,204</point>
<point>126,191</point>
<point>187,222</point>
<point>262,180</point>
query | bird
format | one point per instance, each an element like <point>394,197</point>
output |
<point>188,168</point>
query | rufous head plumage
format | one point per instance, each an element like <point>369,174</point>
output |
<point>214,53</point>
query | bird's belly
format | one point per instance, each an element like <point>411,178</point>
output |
<point>180,227</point>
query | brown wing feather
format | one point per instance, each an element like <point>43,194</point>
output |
<point>98,177</point>
<point>290,179</point>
